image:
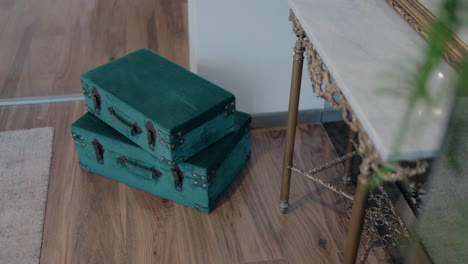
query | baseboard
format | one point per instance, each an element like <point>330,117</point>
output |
<point>260,120</point>
<point>331,115</point>
<point>311,116</point>
<point>41,99</point>
<point>274,119</point>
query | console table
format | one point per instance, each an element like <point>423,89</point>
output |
<point>358,56</point>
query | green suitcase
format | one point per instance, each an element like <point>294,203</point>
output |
<point>197,182</point>
<point>165,109</point>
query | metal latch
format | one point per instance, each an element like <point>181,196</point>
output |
<point>178,177</point>
<point>151,134</point>
<point>99,149</point>
<point>96,99</point>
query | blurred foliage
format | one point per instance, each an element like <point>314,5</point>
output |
<point>418,88</point>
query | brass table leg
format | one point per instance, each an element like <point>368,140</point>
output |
<point>357,220</point>
<point>348,166</point>
<point>292,121</point>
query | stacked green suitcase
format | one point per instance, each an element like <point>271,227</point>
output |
<point>155,126</point>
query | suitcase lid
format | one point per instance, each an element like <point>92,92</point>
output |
<point>203,162</point>
<point>168,94</point>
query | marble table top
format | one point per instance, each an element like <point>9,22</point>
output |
<point>371,52</point>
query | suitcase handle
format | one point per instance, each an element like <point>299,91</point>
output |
<point>148,172</point>
<point>135,129</point>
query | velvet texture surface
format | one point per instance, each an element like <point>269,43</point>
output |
<point>205,176</point>
<point>187,112</point>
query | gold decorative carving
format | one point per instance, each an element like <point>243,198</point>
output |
<point>324,86</point>
<point>421,19</point>
<point>297,28</point>
<point>299,47</point>
<point>402,173</point>
<point>383,227</point>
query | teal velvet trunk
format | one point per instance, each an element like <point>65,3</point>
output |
<point>197,182</point>
<point>163,108</point>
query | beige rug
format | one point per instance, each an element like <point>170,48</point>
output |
<point>24,176</point>
<point>443,224</point>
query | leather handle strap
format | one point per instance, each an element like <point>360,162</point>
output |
<point>135,129</point>
<point>149,172</point>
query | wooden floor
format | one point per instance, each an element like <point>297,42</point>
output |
<point>46,44</point>
<point>91,219</point>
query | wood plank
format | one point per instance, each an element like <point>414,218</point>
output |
<point>45,45</point>
<point>91,219</point>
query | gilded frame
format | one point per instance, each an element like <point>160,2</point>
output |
<point>421,18</point>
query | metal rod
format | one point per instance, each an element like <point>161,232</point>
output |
<point>321,182</point>
<point>369,246</point>
<point>296,78</point>
<point>333,162</point>
<point>357,220</point>
<point>309,174</point>
<point>348,166</point>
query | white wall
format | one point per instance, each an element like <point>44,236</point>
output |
<point>246,46</point>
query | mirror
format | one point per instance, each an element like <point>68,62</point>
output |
<point>421,13</point>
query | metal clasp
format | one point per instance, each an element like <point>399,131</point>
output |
<point>178,178</point>
<point>151,134</point>
<point>99,149</point>
<point>96,99</point>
